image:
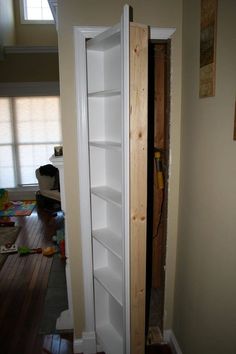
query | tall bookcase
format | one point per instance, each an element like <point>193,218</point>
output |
<point>111,85</point>
<point>106,186</point>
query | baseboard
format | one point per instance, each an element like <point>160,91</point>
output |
<point>86,344</point>
<point>170,338</point>
<point>78,346</point>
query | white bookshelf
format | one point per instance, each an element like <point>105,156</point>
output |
<point>108,271</point>
<point>110,240</point>
<point>112,145</point>
<point>111,89</point>
<point>106,186</point>
<point>108,194</point>
<point>109,321</point>
<point>105,93</point>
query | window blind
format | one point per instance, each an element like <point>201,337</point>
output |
<point>29,129</point>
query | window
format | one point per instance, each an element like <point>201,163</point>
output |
<point>36,11</point>
<point>29,129</point>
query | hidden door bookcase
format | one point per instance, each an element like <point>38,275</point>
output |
<point>111,86</point>
<point>106,186</point>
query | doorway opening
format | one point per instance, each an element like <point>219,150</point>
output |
<point>158,171</point>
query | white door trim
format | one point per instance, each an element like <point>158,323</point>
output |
<point>161,33</point>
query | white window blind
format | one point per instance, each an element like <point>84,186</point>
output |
<point>6,144</point>
<point>29,129</point>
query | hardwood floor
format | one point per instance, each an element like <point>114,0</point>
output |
<point>23,285</point>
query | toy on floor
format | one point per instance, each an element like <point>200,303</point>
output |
<point>8,248</point>
<point>49,251</point>
<point>23,250</point>
<point>3,198</point>
<point>6,221</point>
<point>62,249</point>
<point>59,239</point>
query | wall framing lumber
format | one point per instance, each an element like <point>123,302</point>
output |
<point>138,181</point>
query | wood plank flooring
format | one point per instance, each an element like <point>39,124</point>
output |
<point>23,285</point>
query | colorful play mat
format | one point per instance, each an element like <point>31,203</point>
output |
<point>22,208</point>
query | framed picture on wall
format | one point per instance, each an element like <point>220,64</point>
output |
<point>208,48</point>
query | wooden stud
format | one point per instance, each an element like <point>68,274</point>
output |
<point>138,182</point>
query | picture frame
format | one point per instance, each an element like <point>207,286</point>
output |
<point>208,34</point>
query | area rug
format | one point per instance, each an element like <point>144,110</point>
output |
<point>7,235</point>
<point>24,208</point>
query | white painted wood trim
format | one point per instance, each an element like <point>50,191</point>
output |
<point>80,35</point>
<point>58,162</point>
<point>170,338</point>
<point>88,32</point>
<point>78,346</point>
<point>161,33</point>
<point>155,32</point>
<point>89,343</point>
<point>125,30</point>
<point>86,344</point>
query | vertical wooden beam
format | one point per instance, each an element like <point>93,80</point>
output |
<point>138,182</point>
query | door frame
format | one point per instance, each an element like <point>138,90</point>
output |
<point>87,343</point>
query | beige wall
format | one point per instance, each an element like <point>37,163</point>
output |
<point>205,302</point>
<point>7,24</point>
<point>26,67</point>
<point>29,67</point>
<point>33,35</point>
<point>163,13</point>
